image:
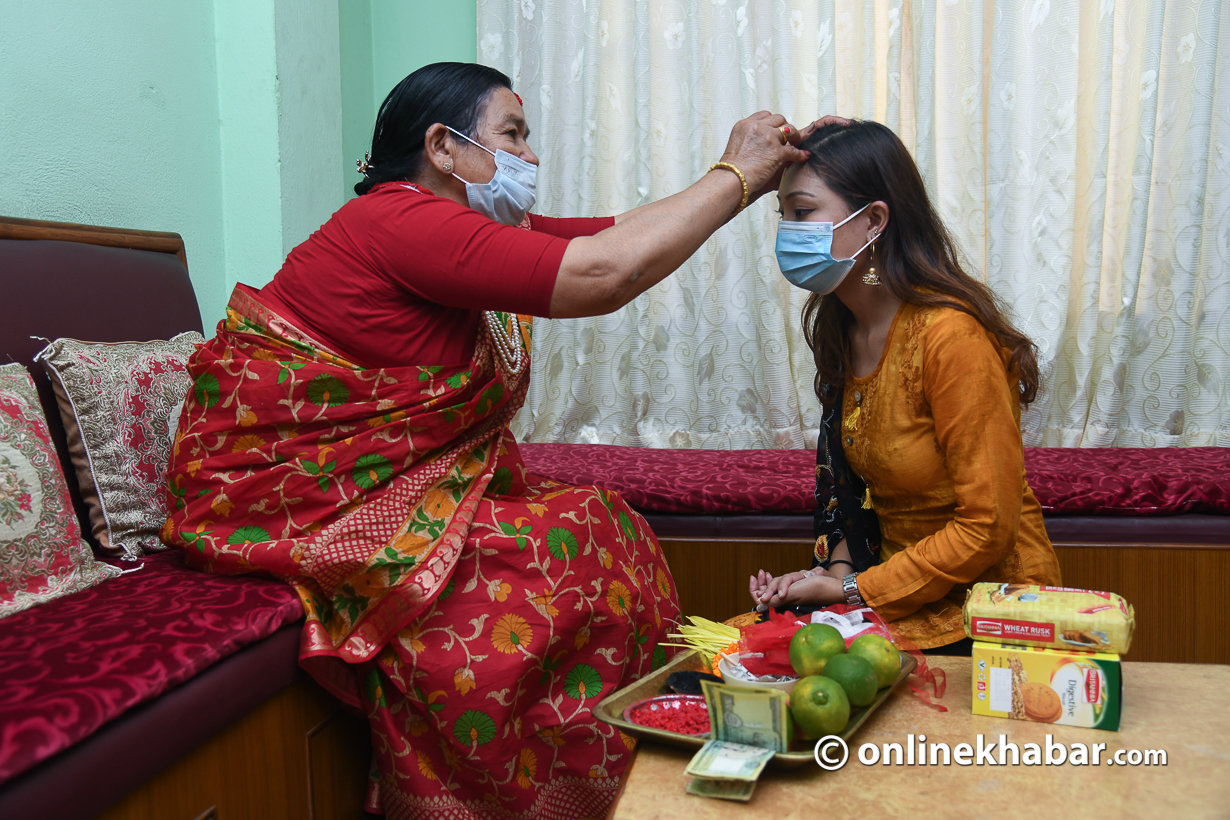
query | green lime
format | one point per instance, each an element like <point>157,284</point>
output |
<point>856,677</point>
<point>819,706</point>
<point>812,646</point>
<point>881,654</point>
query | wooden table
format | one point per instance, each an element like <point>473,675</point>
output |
<point>1183,709</point>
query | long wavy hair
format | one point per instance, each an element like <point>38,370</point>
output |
<point>916,258</point>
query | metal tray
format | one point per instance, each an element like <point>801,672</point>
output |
<point>611,709</point>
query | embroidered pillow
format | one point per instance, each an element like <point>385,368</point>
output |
<point>120,404</point>
<point>42,555</point>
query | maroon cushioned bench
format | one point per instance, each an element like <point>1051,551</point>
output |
<point>1151,524</point>
<point>1119,495</point>
<point>103,689</point>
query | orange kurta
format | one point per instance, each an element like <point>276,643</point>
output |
<point>935,431</point>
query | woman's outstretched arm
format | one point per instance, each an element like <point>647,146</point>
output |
<point>604,272</point>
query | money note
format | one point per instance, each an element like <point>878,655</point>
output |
<point>740,790</point>
<point>721,760</point>
<point>755,717</point>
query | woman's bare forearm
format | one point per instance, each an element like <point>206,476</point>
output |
<point>604,272</point>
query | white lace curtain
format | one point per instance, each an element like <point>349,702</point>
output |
<point>1079,151</point>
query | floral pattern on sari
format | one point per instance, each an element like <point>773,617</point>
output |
<point>476,612</point>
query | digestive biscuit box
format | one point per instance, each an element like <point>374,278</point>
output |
<point>1047,685</point>
<point>1055,617</point>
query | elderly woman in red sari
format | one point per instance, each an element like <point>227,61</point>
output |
<point>347,431</point>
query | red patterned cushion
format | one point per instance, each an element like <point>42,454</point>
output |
<point>1131,481</point>
<point>1115,481</point>
<point>120,404</point>
<point>68,667</point>
<point>42,556</point>
<point>686,481</point>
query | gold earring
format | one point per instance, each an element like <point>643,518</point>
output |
<point>448,167</point>
<point>870,278</point>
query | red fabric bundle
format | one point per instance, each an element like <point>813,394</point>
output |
<point>765,647</point>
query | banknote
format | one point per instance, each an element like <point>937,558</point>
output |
<point>755,717</point>
<point>721,760</point>
<point>740,790</point>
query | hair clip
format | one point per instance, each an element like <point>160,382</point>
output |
<point>364,164</point>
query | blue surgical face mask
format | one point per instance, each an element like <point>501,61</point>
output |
<point>805,254</point>
<point>508,197</point>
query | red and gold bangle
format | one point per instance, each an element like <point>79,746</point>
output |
<point>742,181</point>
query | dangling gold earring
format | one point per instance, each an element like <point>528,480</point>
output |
<point>870,278</point>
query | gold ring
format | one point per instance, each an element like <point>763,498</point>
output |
<point>785,132</point>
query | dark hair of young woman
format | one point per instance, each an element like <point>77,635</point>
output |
<point>916,258</point>
<point>449,93</point>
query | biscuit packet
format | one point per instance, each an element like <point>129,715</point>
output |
<point>1047,685</point>
<point>1056,617</point>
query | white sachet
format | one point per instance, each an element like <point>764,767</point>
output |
<point>849,625</point>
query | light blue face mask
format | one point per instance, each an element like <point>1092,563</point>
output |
<point>805,254</point>
<point>508,197</point>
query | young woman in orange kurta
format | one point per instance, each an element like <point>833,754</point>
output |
<point>922,380</point>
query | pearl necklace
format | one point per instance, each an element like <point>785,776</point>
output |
<point>507,347</point>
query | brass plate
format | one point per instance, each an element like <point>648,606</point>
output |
<point>611,709</point>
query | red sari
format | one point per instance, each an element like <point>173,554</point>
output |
<point>475,612</point>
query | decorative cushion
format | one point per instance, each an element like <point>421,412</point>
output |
<point>42,555</point>
<point>120,404</point>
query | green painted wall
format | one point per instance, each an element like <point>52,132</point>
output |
<point>409,34</point>
<point>235,123</point>
<point>112,119</point>
<point>384,40</point>
<point>358,113</point>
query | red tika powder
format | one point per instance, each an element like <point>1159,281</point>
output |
<point>685,718</point>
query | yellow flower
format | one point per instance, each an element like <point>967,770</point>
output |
<point>510,633</point>
<point>527,766</point>
<point>498,590</point>
<point>543,604</point>
<point>246,442</point>
<point>582,637</point>
<point>416,723</point>
<point>409,543</point>
<point>618,598</point>
<point>450,755</point>
<point>605,557</point>
<point>425,766</point>
<point>464,680</point>
<point>438,504</point>
<point>628,740</point>
<point>409,636</point>
<point>537,509</point>
<point>245,416</point>
<point>664,583</point>
<point>552,734</point>
<point>222,506</point>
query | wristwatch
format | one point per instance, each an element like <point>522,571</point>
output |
<point>849,585</point>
